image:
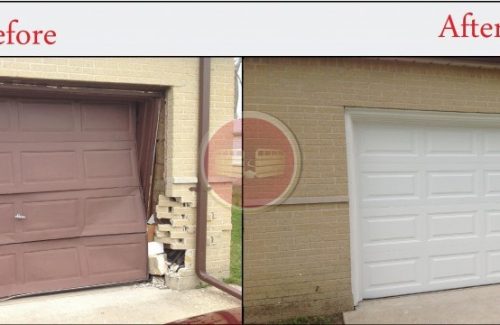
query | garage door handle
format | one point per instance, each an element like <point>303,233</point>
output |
<point>20,217</point>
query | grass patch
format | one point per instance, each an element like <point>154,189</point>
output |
<point>331,319</point>
<point>236,241</point>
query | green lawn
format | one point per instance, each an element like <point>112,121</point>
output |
<point>331,319</point>
<point>235,275</point>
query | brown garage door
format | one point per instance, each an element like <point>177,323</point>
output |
<point>71,211</point>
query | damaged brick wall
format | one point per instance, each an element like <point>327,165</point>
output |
<point>222,104</point>
<point>176,229</point>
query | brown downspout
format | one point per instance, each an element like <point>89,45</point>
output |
<point>201,188</point>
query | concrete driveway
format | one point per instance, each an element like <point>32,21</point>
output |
<point>139,304</point>
<point>461,306</point>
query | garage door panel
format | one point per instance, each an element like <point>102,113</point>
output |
<point>114,212</point>
<point>65,121</point>
<point>8,272</point>
<point>450,142</point>
<point>389,185</point>
<point>105,117</point>
<point>47,116</point>
<point>109,210</point>
<point>389,229</point>
<point>51,215</point>
<point>392,273</point>
<point>7,115</point>
<point>71,214</point>
<point>49,167</point>
<point>48,216</point>
<point>452,225</point>
<point>109,163</point>
<point>51,264</point>
<point>491,143</point>
<point>428,201</point>
<point>491,241</point>
<point>492,218</point>
<point>67,166</point>
<point>112,259</point>
<point>64,264</point>
<point>452,268</point>
<point>493,264</point>
<point>492,182</point>
<point>117,258</point>
<point>6,169</point>
<point>372,141</point>
<point>7,224</point>
<point>454,183</point>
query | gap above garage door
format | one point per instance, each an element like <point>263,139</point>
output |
<point>425,200</point>
<point>75,176</point>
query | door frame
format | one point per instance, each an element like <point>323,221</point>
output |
<point>353,114</point>
<point>356,274</point>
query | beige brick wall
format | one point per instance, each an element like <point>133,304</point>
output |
<point>181,75</point>
<point>297,257</point>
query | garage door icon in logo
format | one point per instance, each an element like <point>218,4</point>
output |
<point>257,156</point>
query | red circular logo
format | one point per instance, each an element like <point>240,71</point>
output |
<point>257,157</point>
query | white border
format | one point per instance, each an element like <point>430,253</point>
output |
<point>229,29</point>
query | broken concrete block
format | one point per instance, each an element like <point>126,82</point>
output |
<point>174,268</point>
<point>186,272</point>
<point>158,264</point>
<point>177,243</point>
<point>155,248</point>
<point>176,282</point>
<point>189,258</point>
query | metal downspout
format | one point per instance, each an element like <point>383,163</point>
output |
<point>201,188</point>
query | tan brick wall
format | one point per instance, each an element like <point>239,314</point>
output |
<point>181,76</point>
<point>222,94</point>
<point>297,257</point>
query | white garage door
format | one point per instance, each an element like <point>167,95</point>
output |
<point>427,201</point>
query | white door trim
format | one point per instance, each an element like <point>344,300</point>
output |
<point>356,279</point>
<point>384,114</point>
<point>373,114</point>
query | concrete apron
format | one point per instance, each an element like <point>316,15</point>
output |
<point>115,305</point>
<point>465,306</point>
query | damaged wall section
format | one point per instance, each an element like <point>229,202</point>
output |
<point>175,200</point>
<point>175,169</point>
